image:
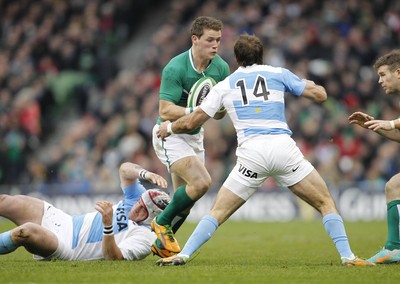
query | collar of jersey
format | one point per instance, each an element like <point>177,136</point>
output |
<point>192,62</point>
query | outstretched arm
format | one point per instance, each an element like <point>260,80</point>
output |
<point>385,128</point>
<point>130,172</point>
<point>360,119</point>
<point>185,124</point>
<point>314,92</point>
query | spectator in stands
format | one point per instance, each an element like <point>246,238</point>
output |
<point>334,41</point>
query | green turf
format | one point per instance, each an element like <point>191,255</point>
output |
<point>239,252</point>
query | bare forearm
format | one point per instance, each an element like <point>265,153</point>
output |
<point>170,111</point>
<point>110,249</point>
<point>190,122</point>
<point>393,134</point>
<point>314,92</point>
<point>386,128</point>
<point>184,125</point>
<point>129,170</point>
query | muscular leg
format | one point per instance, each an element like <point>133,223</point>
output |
<point>35,238</point>
<point>21,209</point>
<point>192,171</point>
<point>392,189</point>
<point>314,191</point>
<point>225,205</point>
<point>196,182</point>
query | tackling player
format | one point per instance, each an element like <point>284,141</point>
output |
<point>254,98</point>
<point>183,155</point>
<point>388,69</point>
<point>114,232</point>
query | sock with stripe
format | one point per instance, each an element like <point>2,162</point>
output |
<point>178,221</point>
<point>393,223</point>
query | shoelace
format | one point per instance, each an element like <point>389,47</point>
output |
<point>169,233</point>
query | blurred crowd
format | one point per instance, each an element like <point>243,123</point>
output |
<point>61,55</point>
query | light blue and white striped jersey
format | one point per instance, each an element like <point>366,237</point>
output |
<point>133,240</point>
<point>254,99</point>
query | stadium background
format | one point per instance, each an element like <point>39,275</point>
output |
<point>79,94</point>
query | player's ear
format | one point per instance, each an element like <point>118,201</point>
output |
<point>397,72</point>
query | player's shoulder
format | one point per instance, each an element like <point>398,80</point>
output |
<point>176,65</point>
<point>178,60</point>
<point>267,68</point>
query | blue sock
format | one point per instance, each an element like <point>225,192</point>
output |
<point>6,244</point>
<point>333,224</point>
<point>203,232</point>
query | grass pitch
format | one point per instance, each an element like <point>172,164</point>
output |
<point>239,252</point>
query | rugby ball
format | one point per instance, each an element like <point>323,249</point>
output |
<point>199,91</point>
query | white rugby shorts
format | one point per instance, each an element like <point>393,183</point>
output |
<point>178,146</point>
<point>267,156</point>
<point>60,223</point>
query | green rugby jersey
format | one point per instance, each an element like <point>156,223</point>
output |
<point>179,75</point>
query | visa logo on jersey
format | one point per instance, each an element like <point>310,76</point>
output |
<point>246,172</point>
<point>122,219</point>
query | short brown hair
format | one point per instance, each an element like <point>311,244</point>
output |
<point>205,22</point>
<point>391,59</point>
<point>248,50</point>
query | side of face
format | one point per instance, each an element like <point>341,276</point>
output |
<point>138,212</point>
<point>389,81</point>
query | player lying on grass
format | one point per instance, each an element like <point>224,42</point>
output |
<point>113,232</point>
<point>253,96</point>
<point>388,69</point>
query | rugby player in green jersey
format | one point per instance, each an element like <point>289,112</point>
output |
<point>183,155</point>
<point>388,69</point>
